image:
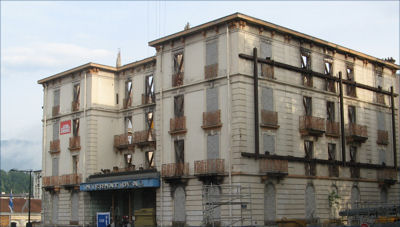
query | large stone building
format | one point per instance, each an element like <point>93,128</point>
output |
<point>192,137</point>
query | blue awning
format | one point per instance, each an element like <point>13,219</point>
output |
<point>121,184</point>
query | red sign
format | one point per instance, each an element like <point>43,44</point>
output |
<point>364,225</point>
<point>65,127</point>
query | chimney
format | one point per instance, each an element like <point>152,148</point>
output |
<point>118,64</point>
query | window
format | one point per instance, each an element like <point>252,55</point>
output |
<point>56,101</point>
<point>270,203</point>
<point>269,144</point>
<point>307,102</point>
<point>179,106</point>
<point>351,89</point>
<point>310,202</point>
<point>355,197</point>
<point>211,67</point>
<point>353,154</point>
<point>75,127</point>
<point>267,99</point>
<point>149,159</point>
<point>74,207</point>
<point>54,208</point>
<point>177,77</point>
<point>330,111</point>
<point>56,129</point>
<point>213,146</point>
<point>212,99</point>
<point>384,196</point>
<point>149,90</point>
<point>382,157</point>
<point>179,151</point>
<point>54,167</point>
<point>331,151</point>
<point>76,93</point>
<point>128,124</point>
<point>308,148</point>
<point>310,166</point>
<point>179,206</point>
<point>305,57</point>
<point>266,53</point>
<point>352,114</point>
<point>149,119</point>
<point>128,94</point>
<point>75,164</point>
<point>330,84</point>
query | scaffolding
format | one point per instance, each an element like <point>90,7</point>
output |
<point>227,205</point>
<point>370,212</point>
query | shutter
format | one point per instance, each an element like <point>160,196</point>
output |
<point>74,206</point>
<point>56,97</point>
<point>54,168</point>
<point>212,52</point>
<point>212,99</point>
<point>179,205</point>
<point>269,143</point>
<point>355,197</point>
<point>56,129</point>
<point>310,202</point>
<point>381,120</point>
<point>54,210</point>
<point>179,151</point>
<point>267,99</point>
<point>213,146</point>
<point>269,203</point>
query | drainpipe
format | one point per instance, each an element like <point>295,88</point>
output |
<point>393,127</point>
<point>342,120</point>
<point>84,155</point>
<point>161,137</point>
<point>256,120</point>
<point>45,89</point>
<point>229,113</point>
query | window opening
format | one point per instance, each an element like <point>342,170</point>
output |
<point>178,106</point>
<point>56,129</point>
<point>353,153</point>
<point>75,164</point>
<point>149,124</point>
<point>77,91</point>
<point>307,102</point>
<point>129,128</point>
<point>351,89</point>
<point>178,63</point>
<point>179,151</point>
<point>128,93</point>
<point>149,159</point>
<point>149,89</point>
<point>56,97</point>
<point>330,108</point>
<point>331,151</point>
<point>330,84</point>
<point>308,147</point>
<point>382,157</point>
<point>75,125</point>
<point>352,114</point>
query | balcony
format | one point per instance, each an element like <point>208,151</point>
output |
<point>269,119</point>
<point>210,71</point>
<point>383,137</point>
<point>144,138</point>
<point>380,98</point>
<point>75,105</point>
<point>332,129</point>
<point>56,110</point>
<point>311,126</point>
<point>273,167</point>
<point>356,133</point>
<point>51,181</point>
<point>177,79</point>
<point>387,176</point>
<point>212,120</point>
<point>55,146</point>
<point>175,170</point>
<point>147,99</point>
<point>177,125</point>
<point>330,86</point>
<point>333,170</point>
<point>209,167</point>
<point>127,103</point>
<point>74,143</point>
<point>124,141</point>
<point>267,71</point>
<point>354,172</point>
<point>70,179</point>
<point>351,91</point>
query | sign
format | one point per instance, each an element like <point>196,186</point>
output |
<point>103,219</point>
<point>65,127</point>
<point>124,184</point>
<point>364,225</point>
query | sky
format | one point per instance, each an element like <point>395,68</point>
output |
<point>39,39</point>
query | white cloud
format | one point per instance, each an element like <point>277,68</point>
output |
<point>21,154</point>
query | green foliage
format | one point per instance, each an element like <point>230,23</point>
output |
<point>18,182</point>
<point>333,198</point>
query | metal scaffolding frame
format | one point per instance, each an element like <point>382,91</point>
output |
<point>369,212</point>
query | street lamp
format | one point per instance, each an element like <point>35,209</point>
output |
<point>29,224</point>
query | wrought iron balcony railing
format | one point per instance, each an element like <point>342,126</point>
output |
<point>177,125</point>
<point>212,119</point>
<point>383,137</point>
<point>210,71</point>
<point>209,167</point>
<point>269,119</point>
<point>356,133</point>
<point>75,105</point>
<point>274,167</point>
<point>56,110</point>
<point>177,79</point>
<point>55,146</point>
<point>144,137</point>
<point>332,129</point>
<point>175,170</point>
<point>123,141</point>
<point>309,125</point>
<point>74,143</point>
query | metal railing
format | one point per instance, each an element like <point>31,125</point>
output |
<point>177,124</point>
<point>269,118</point>
<point>143,136</point>
<point>311,125</point>
<point>56,110</point>
<point>123,140</point>
<point>175,170</point>
<point>212,119</point>
<point>210,71</point>
<point>332,129</point>
<point>383,137</point>
<point>274,166</point>
<point>357,131</point>
<point>55,146</point>
<point>210,166</point>
<point>74,142</point>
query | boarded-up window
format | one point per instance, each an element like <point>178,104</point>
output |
<point>56,129</point>
<point>310,202</point>
<point>213,146</point>
<point>352,114</point>
<point>212,99</point>
<point>269,144</point>
<point>270,203</point>
<point>179,106</point>
<point>380,117</point>
<point>353,154</point>
<point>266,53</point>
<point>382,156</point>
<point>267,99</point>
<point>330,111</point>
<point>384,196</point>
<point>212,52</point>
<point>355,197</point>
<point>54,166</point>
<point>56,97</point>
<point>307,103</point>
<point>75,127</point>
<point>75,206</point>
<point>179,205</point>
<point>179,151</point>
<point>331,151</point>
<point>54,209</point>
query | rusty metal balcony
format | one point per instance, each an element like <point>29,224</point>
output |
<point>74,143</point>
<point>51,181</point>
<point>144,138</point>
<point>332,129</point>
<point>333,170</point>
<point>356,133</point>
<point>274,167</point>
<point>70,179</point>
<point>55,146</point>
<point>267,71</point>
<point>124,141</point>
<point>386,175</point>
<point>211,120</point>
<point>380,98</point>
<point>75,105</point>
<point>313,126</point>
<point>383,137</point>
<point>147,99</point>
<point>56,110</point>
<point>175,170</point>
<point>354,172</point>
<point>210,71</point>
<point>127,103</point>
<point>209,167</point>
<point>177,125</point>
<point>177,79</point>
<point>269,119</point>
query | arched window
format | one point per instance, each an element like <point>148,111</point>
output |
<point>355,197</point>
<point>74,206</point>
<point>269,203</point>
<point>179,205</point>
<point>310,202</point>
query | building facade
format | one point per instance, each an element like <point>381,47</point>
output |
<point>234,122</point>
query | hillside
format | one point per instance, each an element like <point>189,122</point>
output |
<point>17,181</point>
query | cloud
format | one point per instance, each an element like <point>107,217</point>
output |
<point>21,154</point>
<point>51,55</point>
